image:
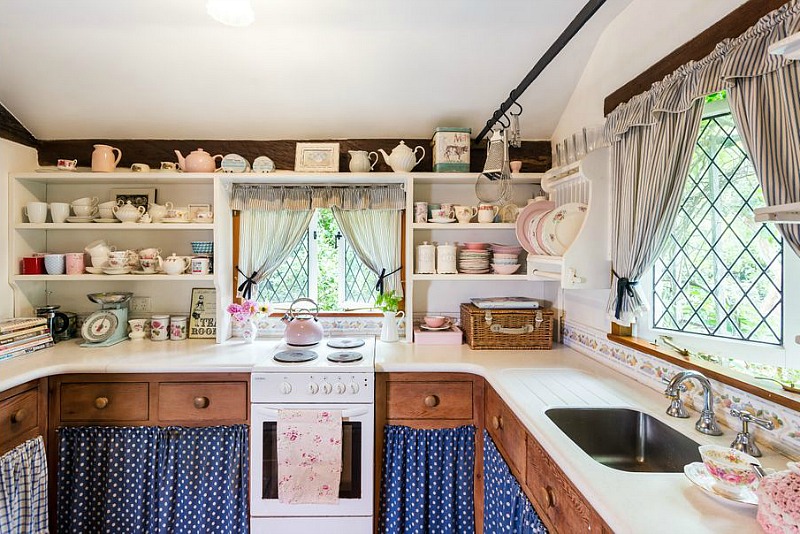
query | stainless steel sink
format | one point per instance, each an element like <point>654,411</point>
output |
<point>626,439</point>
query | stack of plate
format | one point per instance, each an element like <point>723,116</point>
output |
<point>474,258</point>
<point>552,232</point>
<point>505,258</point>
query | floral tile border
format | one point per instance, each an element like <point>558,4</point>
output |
<point>333,326</point>
<point>649,371</point>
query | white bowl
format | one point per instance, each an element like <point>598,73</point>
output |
<point>505,269</point>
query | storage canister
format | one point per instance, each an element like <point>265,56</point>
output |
<point>451,149</point>
<point>177,328</point>
<point>159,327</point>
<point>426,258</point>
<point>446,259</point>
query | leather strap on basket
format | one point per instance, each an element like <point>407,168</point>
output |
<point>524,329</point>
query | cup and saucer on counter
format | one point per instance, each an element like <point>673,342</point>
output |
<point>435,322</point>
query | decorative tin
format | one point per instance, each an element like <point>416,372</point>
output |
<point>451,149</point>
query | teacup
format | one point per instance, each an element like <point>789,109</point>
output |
<point>204,216</point>
<point>67,164</point>
<point>109,204</point>
<point>487,213</point>
<point>158,212</point>
<point>435,321</point>
<point>85,201</point>
<point>150,265</point>
<point>99,248</point>
<point>105,213</point>
<point>117,263</point>
<point>177,213</point>
<point>137,325</point>
<point>84,211</point>
<point>59,211</point>
<point>140,167</point>
<point>448,209</point>
<point>36,212</point>
<point>465,214</point>
<point>149,253</point>
<point>439,214</point>
<point>99,261</point>
<point>169,166</point>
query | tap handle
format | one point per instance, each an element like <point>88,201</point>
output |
<point>681,387</point>
<point>747,417</point>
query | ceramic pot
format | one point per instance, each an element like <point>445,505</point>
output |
<point>103,159</point>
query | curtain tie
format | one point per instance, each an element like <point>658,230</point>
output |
<point>245,289</point>
<point>624,287</point>
<point>383,276</point>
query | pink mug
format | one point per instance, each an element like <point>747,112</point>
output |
<point>75,263</point>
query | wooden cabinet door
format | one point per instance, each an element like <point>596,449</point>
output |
<point>23,414</point>
<point>506,431</point>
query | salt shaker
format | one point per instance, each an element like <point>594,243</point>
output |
<point>446,259</point>
<point>426,258</point>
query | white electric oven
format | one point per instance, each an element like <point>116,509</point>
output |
<point>320,384</point>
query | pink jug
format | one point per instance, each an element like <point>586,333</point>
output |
<point>103,158</point>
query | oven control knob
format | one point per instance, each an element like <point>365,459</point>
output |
<point>286,388</point>
<point>353,388</point>
<point>326,388</point>
<point>313,388</point>
<point>340,388</point>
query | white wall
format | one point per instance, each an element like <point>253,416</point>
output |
<point>645,32</point>
<point>13,158</point>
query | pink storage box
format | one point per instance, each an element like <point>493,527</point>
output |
<point>453,336</point>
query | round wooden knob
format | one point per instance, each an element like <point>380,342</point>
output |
<point>495,422</point>
<point>18,416</point>
<point>431,401</point>
<point>201,402</point>
<point>549,497</point>
<point>101,402</point>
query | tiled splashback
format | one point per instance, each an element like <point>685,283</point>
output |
<point>649,371</point>
<point>333,326</point>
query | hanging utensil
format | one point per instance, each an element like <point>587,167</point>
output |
<point>490,185</point>
<point>515,137</point>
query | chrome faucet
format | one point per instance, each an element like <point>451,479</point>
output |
<point>745,441</point>
<point>707,424</point>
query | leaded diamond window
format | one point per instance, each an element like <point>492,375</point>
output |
<point>721,273</point>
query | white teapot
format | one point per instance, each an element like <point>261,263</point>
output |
<point>128,213</point>
<point>175,264</point>
<point>402,158</point>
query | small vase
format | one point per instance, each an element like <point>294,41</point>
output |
<point>389,330</point>
<point>250,331</point>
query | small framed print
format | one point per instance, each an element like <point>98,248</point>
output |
<point>316,157</point>
<point>203,314</point>
<point>138,197</point>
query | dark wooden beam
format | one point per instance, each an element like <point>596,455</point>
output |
<point>11,129</point>
<point>535,155</point>
<point>732,25</point>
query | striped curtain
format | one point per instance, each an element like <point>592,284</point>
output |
<point>764,95</point>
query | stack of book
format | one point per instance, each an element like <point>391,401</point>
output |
<point>23,335</point>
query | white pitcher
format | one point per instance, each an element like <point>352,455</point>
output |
<point>361,160</point>
<point>389,332</point>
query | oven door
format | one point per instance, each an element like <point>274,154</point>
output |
<point>355,490</point>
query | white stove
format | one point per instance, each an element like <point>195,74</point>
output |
<point>335,374</point>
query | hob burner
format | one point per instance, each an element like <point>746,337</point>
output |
<point>345,356</point>
<point>295,356</point>
<point>345,342</point>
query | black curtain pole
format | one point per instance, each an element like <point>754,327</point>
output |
<point>566,36</point>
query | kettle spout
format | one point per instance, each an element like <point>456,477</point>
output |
<point>181,160</point>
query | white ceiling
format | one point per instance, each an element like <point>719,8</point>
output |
<point>306,69</point>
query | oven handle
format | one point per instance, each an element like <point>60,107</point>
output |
<point>346,414</point>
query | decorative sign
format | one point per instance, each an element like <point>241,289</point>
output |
<point>203,314</point>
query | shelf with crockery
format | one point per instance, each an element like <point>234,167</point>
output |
<point>468,277</point>
<point>115,226</point>
<point>463,226</point>
<point>111,278</point>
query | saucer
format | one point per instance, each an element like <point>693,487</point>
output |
<point>80,219</point>
<point>697,473</point>
<point>117,270</point>
<point>94,270</point>
<point>174,220</point>
<point>143,272</point>
<point>445,326</point>
<point>442,221</point>
<point>106,220</point>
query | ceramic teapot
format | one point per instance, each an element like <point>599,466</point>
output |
<point>175,264</point>
<point>128,213</point>
<point>302,327</point>
<point>197,161</point>
<point>402,158</point>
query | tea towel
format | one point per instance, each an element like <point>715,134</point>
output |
<point>23,489</point>
<point>309,456</point>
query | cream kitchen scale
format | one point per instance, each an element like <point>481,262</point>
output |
<point>109,325</point>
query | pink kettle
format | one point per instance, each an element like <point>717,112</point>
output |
<point>302,327</point>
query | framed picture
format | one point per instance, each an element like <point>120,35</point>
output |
<point>203,313</point>
<point>316,157</point>
<point>138,197</point>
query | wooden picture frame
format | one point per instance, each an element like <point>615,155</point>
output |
<point>316,157</point>
<point>138,196</point>
<point>203,314</point>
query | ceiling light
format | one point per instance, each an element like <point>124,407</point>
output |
<point>231,12</point>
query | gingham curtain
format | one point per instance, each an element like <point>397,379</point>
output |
<point>23,489</point>
<point>764,94</point>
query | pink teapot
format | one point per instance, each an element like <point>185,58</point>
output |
<point>302,327</point>
<point>198,161</point>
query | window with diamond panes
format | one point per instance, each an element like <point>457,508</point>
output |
<point>721,273</point>
<point>323,267</point>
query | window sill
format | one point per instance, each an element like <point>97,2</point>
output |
<point>713,371</point>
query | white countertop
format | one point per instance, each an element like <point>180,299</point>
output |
<point>528,381</point>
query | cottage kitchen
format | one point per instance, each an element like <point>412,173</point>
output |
<point>541,281</point>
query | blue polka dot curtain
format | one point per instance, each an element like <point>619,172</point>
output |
<point>506,509</point>
<point>427,483</point>
<point>153,479</point>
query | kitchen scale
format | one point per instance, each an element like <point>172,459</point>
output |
<point>109,325</point>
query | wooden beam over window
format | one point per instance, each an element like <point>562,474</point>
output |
<point>732,25</point>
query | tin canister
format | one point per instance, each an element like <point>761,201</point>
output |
<point>451,149</point>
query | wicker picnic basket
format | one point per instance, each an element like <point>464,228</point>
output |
<point>504,329</point>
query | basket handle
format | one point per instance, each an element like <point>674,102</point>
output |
<point>525,329</point>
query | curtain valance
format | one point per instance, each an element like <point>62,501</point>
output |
<point>309,197</point>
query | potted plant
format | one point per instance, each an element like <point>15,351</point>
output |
<point>389,303</point>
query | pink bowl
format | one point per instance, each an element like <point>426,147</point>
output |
<point>505,269</point>
<point>435,321</point>
<point>476,246</point>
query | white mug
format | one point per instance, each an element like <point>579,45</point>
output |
<point>59,211</point>
<point>36,212</point>
<point>200,265</point>
<point>487,213</point>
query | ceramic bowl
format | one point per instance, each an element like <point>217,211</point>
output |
<point>505,269</point>
<point>476,246</point>
<point>435,321</point>
<point>730,468</point>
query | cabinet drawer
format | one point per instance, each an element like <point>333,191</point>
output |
<point>429,400</point>
<point>202,401</point>
<point>18,415</point>
<point>506,430</point>
<point>556,496</point>
<point>104,401</point>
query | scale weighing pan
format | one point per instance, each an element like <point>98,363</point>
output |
<point>112,299</point>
